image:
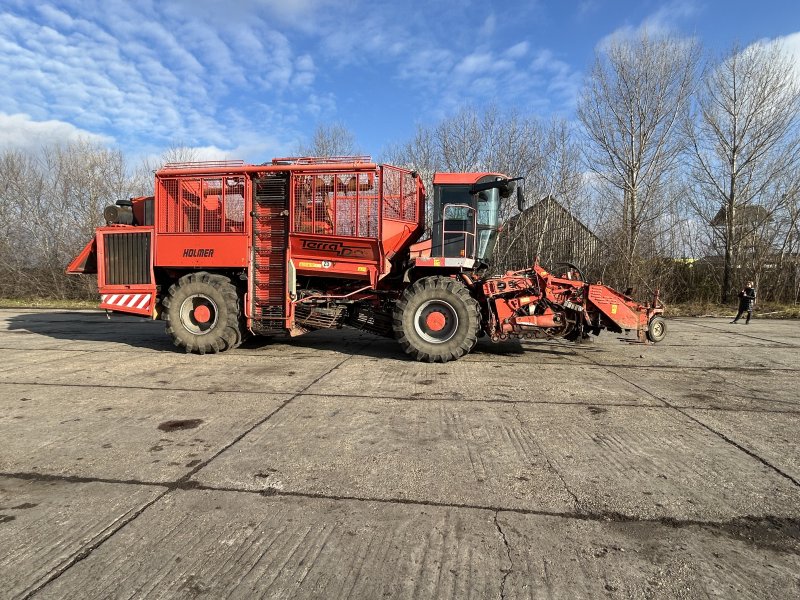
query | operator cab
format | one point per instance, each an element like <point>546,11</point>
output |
<point>466,209</point>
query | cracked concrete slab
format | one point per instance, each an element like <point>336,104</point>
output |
<point>442,452</point>
<point>725,389</point>
<point>569,558</point>
<point>32,362</point>
<point>234,545</point>
<point>698,357</point>
<point>218,372</point>
<point>92,331</point>
<point>44,526</point>
<point>24,340</point>
<point>526,352</point>
<point>772,436</point>
<point>86,330</point>
<point>459,380</point>
<point>122,434</point>
<point>648,463</point>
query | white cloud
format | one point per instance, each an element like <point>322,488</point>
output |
<point>489,26</point>
<point>249,74</point>
<point>20,132</point>
<point>587,7</point>
<point>304,72</point>
<point>477,62</point>
<point>145,76</point>
<point>790,44</point>
<point>55,17</point>
<point>663,21</point>
<point>517,50</point>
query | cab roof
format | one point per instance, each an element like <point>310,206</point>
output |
<point>461,178</point>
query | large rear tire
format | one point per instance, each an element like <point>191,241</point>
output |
<point>202,311</point>
<point>437,320</point>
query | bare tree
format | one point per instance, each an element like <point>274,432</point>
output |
<point>546,154</point>
<point>330,140</point>
<point>631,108</point>
<point>553,173</point>
<point>473,141</point>
<point>51,202</point>
<point>785,254</point>
<point>143,177</point>
<point>744,142</point>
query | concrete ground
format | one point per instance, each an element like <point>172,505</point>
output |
<point>330,466</point>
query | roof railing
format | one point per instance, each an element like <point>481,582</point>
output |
<point>319,160</point>
<point>204,164</point>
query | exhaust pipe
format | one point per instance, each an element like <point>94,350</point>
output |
<point>117,214</point>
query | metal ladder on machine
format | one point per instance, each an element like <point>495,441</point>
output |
<point>270,239</point>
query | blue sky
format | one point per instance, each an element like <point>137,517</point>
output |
<point>252,79</point>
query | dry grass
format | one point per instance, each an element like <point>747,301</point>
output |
<point>47,303</point>
<point>709,309</point>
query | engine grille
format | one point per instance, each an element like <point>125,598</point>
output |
<point>127,258</point>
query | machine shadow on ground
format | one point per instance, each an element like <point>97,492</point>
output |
<point>149,335</point>
<point>62,325</point>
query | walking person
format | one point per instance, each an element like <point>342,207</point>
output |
<point>747,298</point>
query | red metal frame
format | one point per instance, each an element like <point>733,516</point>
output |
<point>467,234</point>
<point>357,247</point>
<point>577,303</point>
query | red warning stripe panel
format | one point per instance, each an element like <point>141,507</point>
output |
<point>140,303</point>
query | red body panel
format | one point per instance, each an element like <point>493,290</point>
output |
<point>135,264</point>
<point>332,256</point>
<point>617,307</point>
<point>86,261</point>
<point>206,251</point>
<point>460,178</point>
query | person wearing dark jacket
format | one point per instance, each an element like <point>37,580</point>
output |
<point>747,298</point>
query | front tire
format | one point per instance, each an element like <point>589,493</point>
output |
<point>202,313</point>
<point>656,329</point>
<point>437,320</point>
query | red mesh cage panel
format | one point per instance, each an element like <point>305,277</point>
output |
<point>368,217</point>
<point>366,190</point>
<point>167,198</point>
<point>391,193</point>
<point>399,195</point>
<point>408,196</point>
<point>201,205</point>
<point>211,206</point>
<point>189,205</point>
<point>335,204</point>
<point>312,203</point>
<point>233,203</point>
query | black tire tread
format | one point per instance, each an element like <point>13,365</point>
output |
<point>231,332</point>
<point>451,350</point>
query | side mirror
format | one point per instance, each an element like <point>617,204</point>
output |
<point>520,198</point>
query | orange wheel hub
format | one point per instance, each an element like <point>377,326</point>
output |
<point>202,314</point>
<point>436,321</point>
